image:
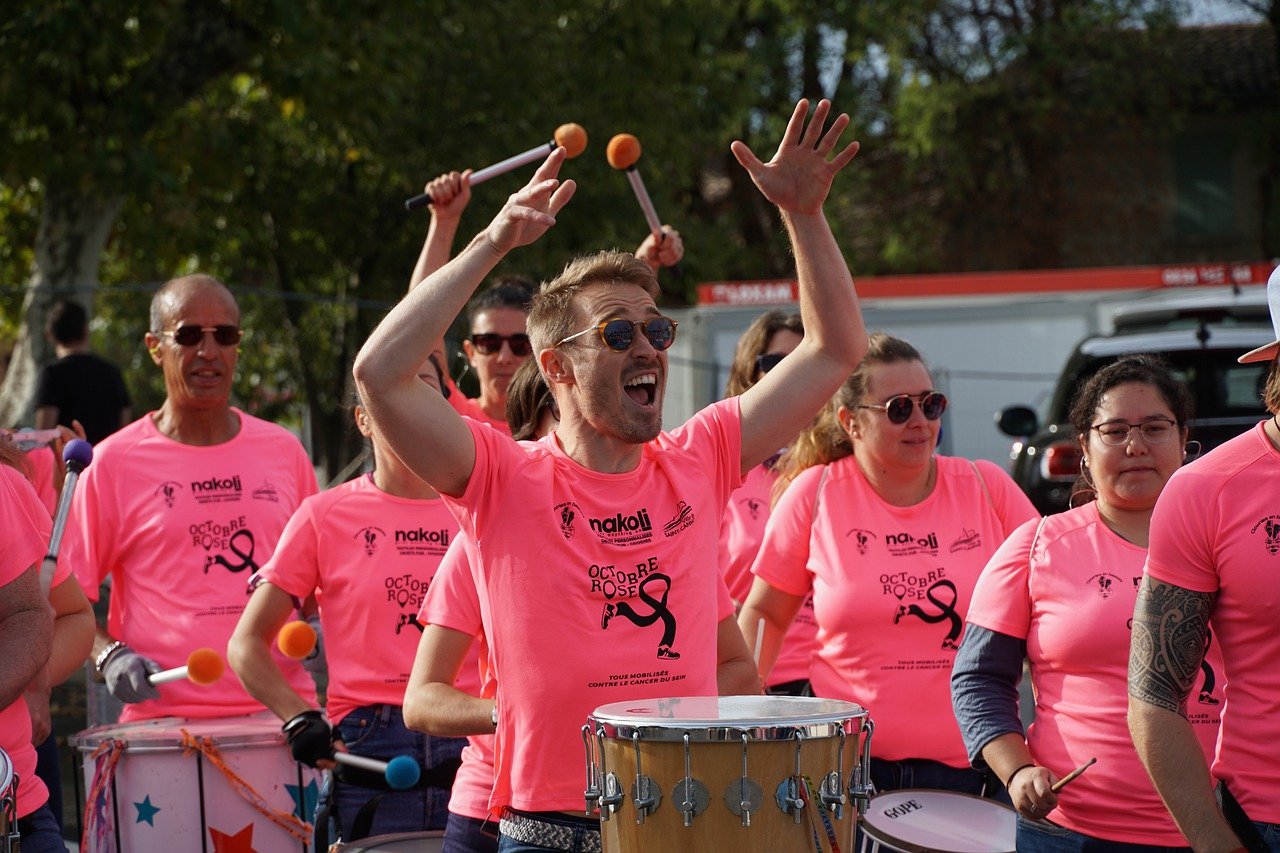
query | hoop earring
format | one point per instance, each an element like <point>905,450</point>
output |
<point>1084,474</point>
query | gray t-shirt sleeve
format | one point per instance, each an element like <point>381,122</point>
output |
<point>984,688</point>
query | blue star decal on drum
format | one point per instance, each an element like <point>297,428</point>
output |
<point>304,799</point>
<point>146,811</point>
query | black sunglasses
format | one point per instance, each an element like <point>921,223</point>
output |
<point>767,361</point>
<point>489,343</point>
<point>618,334</point>
<point>189,336</point>
<point>898,409</point>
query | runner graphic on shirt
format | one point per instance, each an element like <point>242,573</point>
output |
<point>947,610</point>
<point>660,611</point>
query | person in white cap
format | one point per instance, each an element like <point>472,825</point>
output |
<point>1215,557</point>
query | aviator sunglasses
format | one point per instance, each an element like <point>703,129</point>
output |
<point>189,336</point>
<point>898,409</point>
<point>489,343</point>
<point>618,334</point>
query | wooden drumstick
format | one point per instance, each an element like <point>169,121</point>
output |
<point>759,641</point>
<point>1066,780</point>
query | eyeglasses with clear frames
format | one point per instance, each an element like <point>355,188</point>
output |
<point>1117,433</point>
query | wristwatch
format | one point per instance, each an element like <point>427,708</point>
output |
<point>103,655</point>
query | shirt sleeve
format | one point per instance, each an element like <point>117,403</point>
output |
<point>984,688</point>
<point>452,600</point>
<point>714,436</point>
<point>1180,551</point>
<point>295,563</point>
<point>89,544</point>
<point>1002,596</point>
<point>25,525</point>
<point>783,558</point>
<point>1011,504</point>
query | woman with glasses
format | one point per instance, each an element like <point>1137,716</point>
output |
<point>1060,593</point>
<point>889,538</point>
<point>768,340</point>
<point>367,550</point>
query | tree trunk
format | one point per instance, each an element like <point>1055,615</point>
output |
<point>74,226</point>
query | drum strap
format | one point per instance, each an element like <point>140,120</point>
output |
<point>1240,822</point>
<point>441,776</point>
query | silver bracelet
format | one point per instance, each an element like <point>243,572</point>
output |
<point>106,652</point>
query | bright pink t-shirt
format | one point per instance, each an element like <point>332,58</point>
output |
<point>369,557</point>
<point>891,587</point>
<point>741,533</point>
<point>180,529</point>
<point>26,536</point>
<point>1069,591</point>
<point>603,587</point>
<point>41,462</point>
<point>469,407</point>
<point>454,602</point>
<point>1216,528</point>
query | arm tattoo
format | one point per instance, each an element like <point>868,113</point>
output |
<point>1170,626</point>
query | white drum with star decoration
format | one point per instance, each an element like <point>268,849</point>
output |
<point>226,784</point>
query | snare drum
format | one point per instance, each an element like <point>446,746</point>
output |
<point>401,842</point>
<point>230,783</point>
<point>8,804</point>
<point>921,819</point>
<point>729,772</point>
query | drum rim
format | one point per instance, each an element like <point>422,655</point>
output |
<point>620,719</point>
<point>362,844</point>
<point>881,836</point>
<point>6,772</point>
<point>162,734</point>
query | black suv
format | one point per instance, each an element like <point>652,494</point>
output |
<point>1200,335</point>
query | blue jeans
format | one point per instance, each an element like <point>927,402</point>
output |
<point>1037,837</point>
<point>378,731</point>
<point>40,833</point>
<point>470,835</point>
<point>49,769</point>
<point>923,773</point>
<point>1270,833</point>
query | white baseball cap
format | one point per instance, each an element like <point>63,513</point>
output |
<point>1269,351</point>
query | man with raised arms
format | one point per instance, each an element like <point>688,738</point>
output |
<point>608,510</point>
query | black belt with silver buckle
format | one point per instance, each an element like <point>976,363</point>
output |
<point>550,830</point>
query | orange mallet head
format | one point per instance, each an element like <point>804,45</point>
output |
<point>623,151</point>
<point>296,639</point>
<point>204,666</point>
<point>572,138</point>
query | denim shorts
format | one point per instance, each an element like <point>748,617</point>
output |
<point>378,731</point>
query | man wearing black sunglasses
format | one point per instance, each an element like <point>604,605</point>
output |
<point>181,507</point>
<point>598,543</point>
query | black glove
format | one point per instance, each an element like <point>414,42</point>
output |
<point>310,737</point>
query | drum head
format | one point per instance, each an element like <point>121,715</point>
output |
<point>727,718</point>
<point>166,732</point>
<point>922,819</point>
<point>405,842</point>
<point>6,772</point>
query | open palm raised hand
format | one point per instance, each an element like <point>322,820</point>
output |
<point>799,176</point>
<point>529,213</point>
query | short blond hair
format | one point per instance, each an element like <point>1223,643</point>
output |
<point>551,316</point>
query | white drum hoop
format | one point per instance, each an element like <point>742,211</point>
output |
<point>8,803</point>
<point>725,719</point>
<point>992,828</point>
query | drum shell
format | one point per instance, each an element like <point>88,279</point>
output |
<point>715,756</point>
<point>8,800</point>
<point>403,842</point>
<point>925,819</point>
<point>191,795</point>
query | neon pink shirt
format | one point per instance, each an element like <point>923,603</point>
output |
<point>597,582</point>
<point>180,529</point>
<point>26,536</point>
<point>470,408</point>
<point>891,587</point>
<point>741,533</point>
<point>1216,528</point>
<point>369,557</point>
<point>1069,591</point>
<point>41,462</point>
<point>454,602</point>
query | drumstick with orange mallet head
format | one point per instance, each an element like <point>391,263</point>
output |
<point>623,152</point>
<point>571,137</point>
<point>204,666</point>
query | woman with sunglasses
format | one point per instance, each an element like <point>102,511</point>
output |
<point>889,538</point>
<point>367,550</point>
<point>1060,593</point>
<point>769,339</point>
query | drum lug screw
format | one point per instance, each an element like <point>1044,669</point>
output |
<point>592,792</point>
<point>830,792</point>
<point>644,793</point>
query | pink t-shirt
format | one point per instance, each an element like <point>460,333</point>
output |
<point>891,587</point>
<point>369,557</point>
<point>741,533</point>
<point>1069,591</point>
<point>1216,528</point>
<point>26,536</point>
<point>41,462</point>
<point>468,407</point>
<point>180,529</point>
<point>603,587</point>
<point>454,602</point>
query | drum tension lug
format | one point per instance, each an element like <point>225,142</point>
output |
<point>592,792</point>
<point>831,792</point>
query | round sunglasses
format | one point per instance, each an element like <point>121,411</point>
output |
<point>189,336</point>
<point>618,334</point>
<point>898,409</point>
<point>489,343</point>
